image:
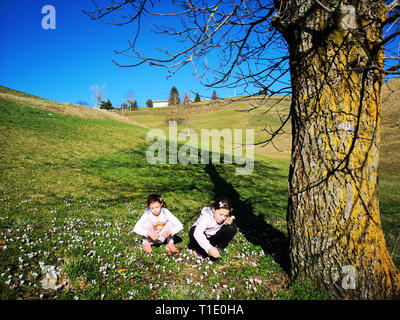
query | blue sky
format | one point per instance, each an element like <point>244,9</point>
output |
<point>63,64</point>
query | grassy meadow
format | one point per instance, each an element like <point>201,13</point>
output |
<point>389,167</point>
<point>231,113</point>
<point>72,186</point>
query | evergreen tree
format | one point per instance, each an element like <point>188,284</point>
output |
<point>149,103</point>
<point>107,105</point>
<point>186,99</point>
<point>174,99</point>
<point>197,99</point>
<point>132,104</point>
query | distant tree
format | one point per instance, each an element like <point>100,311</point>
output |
<point>173,103</point>
<point>263,92</point>
<point>149,103</point>
<point>197,99</point>
<point>214,96</point>
<point>187,110</point>
<point>82,103</point>
<point>186,99</point>
<point>97,94</point>
<point>107,105</point>
<point>130,98</point>
<point>124,105</point>
<point>132,104</point>
<point>174,99</point>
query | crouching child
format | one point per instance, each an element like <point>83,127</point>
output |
<point>213,230</point>
<point>158,225</point>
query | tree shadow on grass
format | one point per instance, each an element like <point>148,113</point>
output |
<point>253,227</point>
<point>127,177</point>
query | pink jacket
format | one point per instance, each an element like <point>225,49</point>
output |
<point>206,226</point>
<point>165,220</point>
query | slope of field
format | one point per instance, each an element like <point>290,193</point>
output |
<point>389,168</point>
<point>18,97</point>
<point>232,113</point>
<point>72,188</point>
<point>229,114</point>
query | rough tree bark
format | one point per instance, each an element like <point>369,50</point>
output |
<point>333,214</point>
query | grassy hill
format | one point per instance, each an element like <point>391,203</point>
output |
<point>389,168</point>
<point>74,180</point>
<point>22,98</point>
<point>72,189</point>
<point>230,113</point>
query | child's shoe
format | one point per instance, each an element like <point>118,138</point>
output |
<point>147,247</point>
<point>171,248</point>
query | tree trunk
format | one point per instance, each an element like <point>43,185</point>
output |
<point>333,215</point>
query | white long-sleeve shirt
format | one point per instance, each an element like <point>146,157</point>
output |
<point>159,224</point>
<point>206,226</point>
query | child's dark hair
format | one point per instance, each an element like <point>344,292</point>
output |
<point>156,198</point>
<point>222,203</point>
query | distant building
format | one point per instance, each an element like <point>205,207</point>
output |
<point>160,103</point>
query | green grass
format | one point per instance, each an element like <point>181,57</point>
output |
<point>230,115</point>
<point>389,168</point>
<point>72,188</point>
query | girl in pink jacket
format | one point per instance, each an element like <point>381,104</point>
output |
<point>158,225</point>
<point>213,230</point>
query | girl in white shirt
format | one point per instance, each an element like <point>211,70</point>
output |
<point>158,225</point>
<point>213,230</point>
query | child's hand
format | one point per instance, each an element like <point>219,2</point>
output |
<point>153,235</point>
<point>229,220</point>
<point>166,234</point>
<point>214,252</point>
